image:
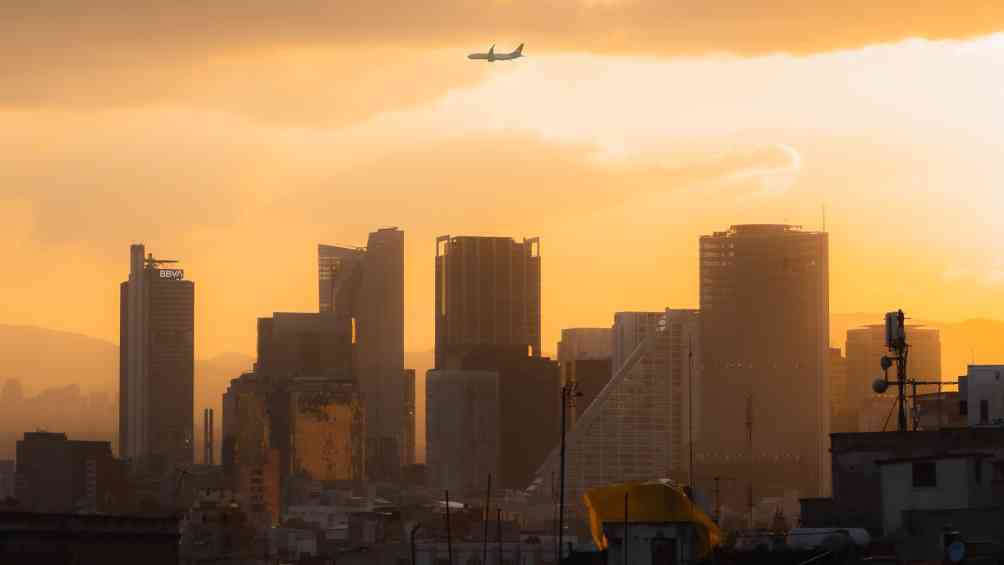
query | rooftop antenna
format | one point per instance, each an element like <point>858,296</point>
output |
<point>895,341</point>
<point>153,262</point>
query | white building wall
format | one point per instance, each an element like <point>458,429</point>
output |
<point>985,395</point>
<point>956,487</point>
<point>637,427</point>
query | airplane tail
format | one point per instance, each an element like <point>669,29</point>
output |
<point>519,50</point>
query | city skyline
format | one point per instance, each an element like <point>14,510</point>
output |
<point>614,282</point>
<point>590,316</point>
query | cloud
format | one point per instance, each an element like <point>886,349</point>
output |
<point>316,62</point>
<point>988,273</point>
<point>292,86</point>
<point>635,26</point>
<point>996,274</point>
<point>243,205</point>
<point>775,175</point>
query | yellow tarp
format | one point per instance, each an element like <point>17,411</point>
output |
<point>651,501</point>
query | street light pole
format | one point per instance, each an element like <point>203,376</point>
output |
<point>414,530</point>
<point>568,393</point>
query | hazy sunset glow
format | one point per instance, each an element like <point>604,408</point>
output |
<point>622,162</point>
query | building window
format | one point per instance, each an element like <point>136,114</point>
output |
<point>978,471</point>
<point>925,474</point>
<point>963,408</point>
<point>984,411</point>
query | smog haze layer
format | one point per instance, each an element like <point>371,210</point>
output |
<point>237,140</point>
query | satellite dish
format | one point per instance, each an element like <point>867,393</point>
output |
<point>880,386</point>
<point>956,551</point>
<point>886,363</point>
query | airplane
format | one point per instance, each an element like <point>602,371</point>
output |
<point>491,57</point>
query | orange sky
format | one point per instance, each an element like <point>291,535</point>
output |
<point>237,140</point>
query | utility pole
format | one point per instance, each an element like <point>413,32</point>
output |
<point>414,530</point>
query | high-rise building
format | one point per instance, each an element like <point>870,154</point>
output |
<point>639,426</point>
<point>840,409</point>
<point>579,344</point>
<point>488,319</point>
<point>338,272</point>
<point>487,296</point>
<point>365,287</point>
<point>156,366</point>
<point>585,357</point>
<point>299,414</point>
<point>249,454</point>
<point>865,347</point>
<point>409,420</point>
<point>275,429</point>
<point>765,330</point>
<point>463,429</point>
<point>296,343</point>
<point>529,410</point>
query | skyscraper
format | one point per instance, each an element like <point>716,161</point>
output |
<point>365,286</point>
<point>638,426</point>
<point>156,388</point>
<point>487,296</point>
<point>463,429</point>
<point>304,343</point>
<point>488,319</point>
<point>765,330</point>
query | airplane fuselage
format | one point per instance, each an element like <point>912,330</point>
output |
<point>491,56</point>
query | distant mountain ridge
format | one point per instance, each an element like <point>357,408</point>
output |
<point>41,358</point>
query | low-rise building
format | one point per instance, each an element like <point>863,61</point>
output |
<point>56,474</point>
<point>292,543</point>
<point>983,390</point>
<point>936,482</point>
<point>331,520</point>
<point>858,491</point>
<point>7,479</point>
<point>216,529</point>
<point>29,537</point>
